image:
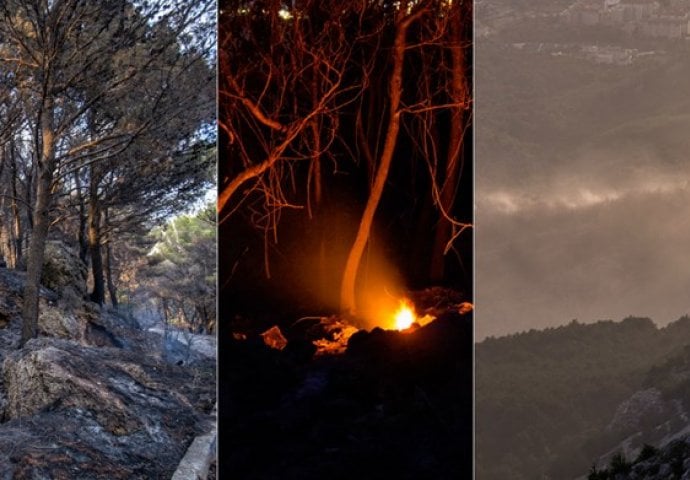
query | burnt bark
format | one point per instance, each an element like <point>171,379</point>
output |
<point>112,289</point>
<point>41,224</point>
<point>82,236</point>
<point>94,238</point>
<point>16,250</point>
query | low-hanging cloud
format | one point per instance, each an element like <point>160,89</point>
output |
<point>591,243</point>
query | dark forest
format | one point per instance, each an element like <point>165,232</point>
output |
<point>345,193</point>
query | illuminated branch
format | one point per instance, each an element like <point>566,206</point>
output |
<point>253,108</point>
<point>257,170</point>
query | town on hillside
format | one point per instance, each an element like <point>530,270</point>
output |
<point>606,32</point>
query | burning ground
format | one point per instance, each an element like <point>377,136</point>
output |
<point>378,404</point>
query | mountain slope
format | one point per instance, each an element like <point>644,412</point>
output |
<point>544,399</point>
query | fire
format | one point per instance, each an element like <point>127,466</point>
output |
<point>404,317</point>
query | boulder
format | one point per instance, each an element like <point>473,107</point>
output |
<point>83,324</point>
<point>56,322</point>
<point>91,413</point>
<point>63,270</point>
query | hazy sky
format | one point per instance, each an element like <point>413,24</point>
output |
<point>549,253</point>
<point>596,229</point>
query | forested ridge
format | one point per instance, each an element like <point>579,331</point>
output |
<point>555,401</point>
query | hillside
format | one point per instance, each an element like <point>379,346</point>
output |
<point>549,403</point>
<point>95,395</point>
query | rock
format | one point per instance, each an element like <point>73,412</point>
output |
<point>197,461</point>
<point>84,322</point>
<point>100,336</point>
<point>274,338</point>
<point>300,350</point>
<point>664,471</point>
<point>63,270</point>
<point>83,325</point>
<point>56,322</point>
<point>93,413</point>
<point>644,407</point>
<point>123,318</point>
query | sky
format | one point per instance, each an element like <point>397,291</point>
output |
<point>586,217</point>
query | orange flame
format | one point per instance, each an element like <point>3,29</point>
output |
<point>404,317</point>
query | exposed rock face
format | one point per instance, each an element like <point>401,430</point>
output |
<point>98,412</point>
<point>56,322</point>
<point>672,461</point>
<point>71,406</point>
<point>85,324</point>
<point>643,408</point>
<point>63,270</point>
<point>11,291</point>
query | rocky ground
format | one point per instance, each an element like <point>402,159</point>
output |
<point>393,405</point>
<point>671,462</point>
<point>94,397</point>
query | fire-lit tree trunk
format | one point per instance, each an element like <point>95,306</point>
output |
<point>315,182</point>
<point>44,182</point>
<point>348,301</point>
<point>449,182</point>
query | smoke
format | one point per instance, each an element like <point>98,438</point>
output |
<point>602,250</point>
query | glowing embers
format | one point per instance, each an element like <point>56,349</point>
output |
<point>335,333</point>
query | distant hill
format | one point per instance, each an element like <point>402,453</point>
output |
<point>551,403</point>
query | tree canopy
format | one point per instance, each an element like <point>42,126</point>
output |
<point>105,103</point>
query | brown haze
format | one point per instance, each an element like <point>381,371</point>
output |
<point>582,186</point>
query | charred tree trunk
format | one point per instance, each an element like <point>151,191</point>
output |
<point>348,302</point>
<point>5,229</point>
<point>41,218</point>
<point>82,235</point>
<point>31,179</point>
<point>449,182</point>
<point>112,289</point>
<point>94,237</point>
<point>17,233</point>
